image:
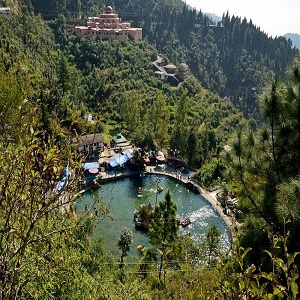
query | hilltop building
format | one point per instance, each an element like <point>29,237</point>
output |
<point>108,26</point>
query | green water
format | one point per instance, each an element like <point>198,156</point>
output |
<point>121,196</point>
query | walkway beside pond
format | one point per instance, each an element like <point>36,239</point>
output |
<point>166,170</point>
<point>230,221</point>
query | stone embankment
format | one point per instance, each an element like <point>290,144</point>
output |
<point>210,196</point>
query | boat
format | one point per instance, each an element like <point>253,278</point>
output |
<point>141,248</point>
<point>185,222</point>
<point>160,189</point>
<point>140,192</point>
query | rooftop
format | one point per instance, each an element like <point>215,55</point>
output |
<point>119,138</point>
<point>88,139</point>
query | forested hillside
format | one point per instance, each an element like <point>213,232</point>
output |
<point>50,80</point>
<point>104,77</point>
<point>233,57</point>
<point>295,38</point>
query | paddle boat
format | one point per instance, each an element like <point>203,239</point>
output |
<point>140,192</point>
<point>185,222</point>
<point>141,248</point>
<point>160,189</point>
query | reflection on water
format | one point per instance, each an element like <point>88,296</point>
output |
<point>121,196</point>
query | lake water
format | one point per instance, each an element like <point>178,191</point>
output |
<point>121,196</point>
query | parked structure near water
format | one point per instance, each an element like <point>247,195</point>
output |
<point>108,26</point>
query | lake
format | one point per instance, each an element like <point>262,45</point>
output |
<point>121,196</point>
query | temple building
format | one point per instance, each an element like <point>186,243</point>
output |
<point>108,26</point>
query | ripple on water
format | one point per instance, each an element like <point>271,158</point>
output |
<point>121,196</point>
<point>201,220</point>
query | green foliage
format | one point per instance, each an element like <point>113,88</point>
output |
<point>180,128</point>
<point>144,137</point>
<point>26,43</point>
<point>263,166</point>
<point>160,118</point>
<point>287,207</point>
<point>117,79</point>
<point>34,215</point>
<point>213,240</point>
<point>64,76</point>
<point>78,8</point>
<point>124,243</point>
<point>185,35</point>
<point>284,280</point>
<point>46,251</point>
<point>12,97</point>
<point>130,110</point>
<point>146,212</point>
<point>163,229</point>
<point>209,174</point>
<point>237,280</point>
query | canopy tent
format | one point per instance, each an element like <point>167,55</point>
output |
<point>92,165</point>
<point>104,160</point>
<point>159,153</point>
<point>160,159</point>
<point>64,178</point>
<point>120,159</point>
<point>93,171</point>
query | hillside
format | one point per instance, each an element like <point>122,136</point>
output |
<point>295,38</point>
<point>50,80</point>
<point>231,57</point>
<point>75,76</point>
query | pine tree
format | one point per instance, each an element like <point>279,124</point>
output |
<point>64,76</point>
<point>163,229</point>
<point>213,241</point>
<point>124,244</point>
<point>131,109</point>
<point>181,127</point>
<point>161,119</point>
